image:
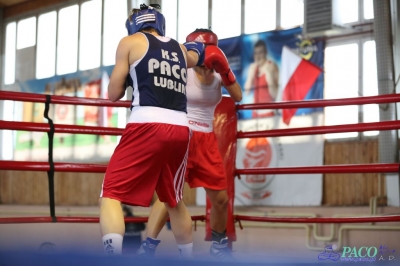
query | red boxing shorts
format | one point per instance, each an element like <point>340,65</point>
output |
<point>204,166</point>
<point>150,157</point>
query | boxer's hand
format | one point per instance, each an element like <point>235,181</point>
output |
<point>197,47</point>
<point>216,59</point>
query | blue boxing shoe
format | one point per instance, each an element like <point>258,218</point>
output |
<point>221,250</point>
<point>148,248</point>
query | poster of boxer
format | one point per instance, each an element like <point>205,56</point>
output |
<point>259,63</point>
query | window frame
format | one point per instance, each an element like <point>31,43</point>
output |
<point>102,63</point>
<point>3,68</point>
<point>58,6</point>
<point>359,40</point>
<point>37,41</point>
<point>81,45</point>
<point>36,17</point>
<point>212,15</point>
<point>178,34</point>
<point>36,13</point>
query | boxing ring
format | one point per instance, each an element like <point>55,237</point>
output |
<point>51,167</point>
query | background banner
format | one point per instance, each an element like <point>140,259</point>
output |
<point>69,147</point>
<point>279,190</point>
<point>264,74</point>
<point>256,60</point>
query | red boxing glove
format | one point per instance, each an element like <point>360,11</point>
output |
<point>215,59</point>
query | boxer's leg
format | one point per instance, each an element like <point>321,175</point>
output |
<point>112,225</point>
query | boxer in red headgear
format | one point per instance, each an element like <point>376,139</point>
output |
<point>204,167</point>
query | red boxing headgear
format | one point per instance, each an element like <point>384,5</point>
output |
<point>203,35</point>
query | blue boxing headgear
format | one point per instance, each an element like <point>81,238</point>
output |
<point>146,17</point>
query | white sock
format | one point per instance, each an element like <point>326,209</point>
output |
<point>186,250</point>
<point>112,244</point>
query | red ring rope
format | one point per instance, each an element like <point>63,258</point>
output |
<point>61,219</point>
<point>324,220</point>
<point>99,168</point>
<point>44,127</point>
<point>59,167</point>
<point>56,99</point>
<point>388,218</point>
<point>324,169</point>
<point>387,98</point>
<point>360,127</point>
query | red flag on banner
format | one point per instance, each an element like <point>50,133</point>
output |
<point>297,76</point>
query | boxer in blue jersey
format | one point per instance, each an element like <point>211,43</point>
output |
<point>153,150</point>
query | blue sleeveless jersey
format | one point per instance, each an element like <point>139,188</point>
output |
<point>159,79</point>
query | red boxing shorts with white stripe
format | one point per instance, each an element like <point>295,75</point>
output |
<point>204,166</point>
<point>150,157</point>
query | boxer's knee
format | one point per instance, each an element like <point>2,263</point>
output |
<point>219,199</point>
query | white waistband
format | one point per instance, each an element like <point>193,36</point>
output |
<point>150,114</point>
<point>200,125</point>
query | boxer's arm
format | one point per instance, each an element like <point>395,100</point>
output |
<point>195,53</point>
<point>116,87</point>
<point>235,91</point>
<point>191,58</point>
<point>215,59</point>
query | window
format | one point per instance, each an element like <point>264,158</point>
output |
<point>370,85</point>
<point>169,8</point>
<point>90,35</point>
<point>341,81</point>
<point>192,15</point>
<point>67,44</point>
<point>226,18</point>
<point>26,33</point>
<point>347,11</point>
<point>9,66</point>
<point>368,9</point>
<point>46,45</point>
<point>292,13</point>
<point>115,16</point>
<point>7,141</point>
<point>259,16</point>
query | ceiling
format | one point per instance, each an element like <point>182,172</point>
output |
<point>7,3</point>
